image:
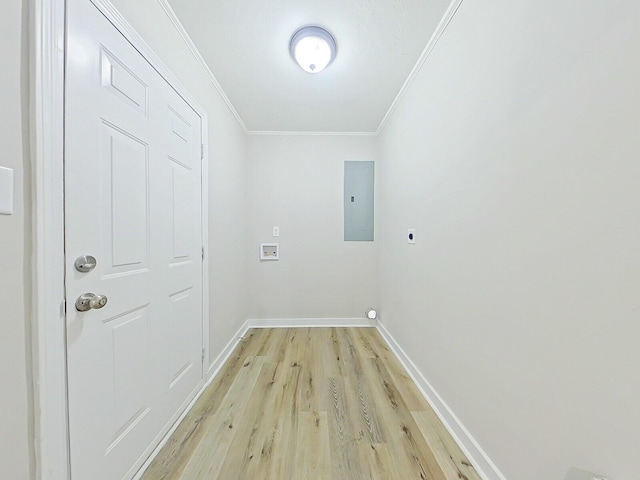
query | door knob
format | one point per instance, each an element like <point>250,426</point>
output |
<point>90,301</point>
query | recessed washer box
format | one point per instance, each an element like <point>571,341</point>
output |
<point>269,251</point>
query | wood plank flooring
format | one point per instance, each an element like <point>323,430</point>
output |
<point>311,404</point>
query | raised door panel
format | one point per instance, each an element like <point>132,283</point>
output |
<point>123,83</point>
<point>183,131</point>
<point>130,373</point>
<point>126,216</point>
<point>182,345</point>
<point>182,219</point>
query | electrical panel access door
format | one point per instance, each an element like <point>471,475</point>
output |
<point>359,178</point>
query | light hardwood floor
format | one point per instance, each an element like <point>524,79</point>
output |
<point>309,404</point>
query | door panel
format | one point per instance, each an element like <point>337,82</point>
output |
<point>180,353</point>
<point>130,367</point>
<point>123,83</point>
<point>126,161</point>
<point>132,200</point>
<point>182,221</point>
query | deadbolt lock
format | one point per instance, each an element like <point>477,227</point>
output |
<point>85,263</point>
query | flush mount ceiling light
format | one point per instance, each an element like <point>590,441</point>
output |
<point>313,48</point>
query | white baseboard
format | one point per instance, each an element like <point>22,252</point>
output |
<point>309,322</point>
<point>480,460</point>
<point>218,363</point>
<point>212,371</point>
<point>167,435</point>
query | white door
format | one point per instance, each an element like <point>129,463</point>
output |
<point>132,201</point>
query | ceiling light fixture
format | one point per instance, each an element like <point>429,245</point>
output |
<point>313,48</point>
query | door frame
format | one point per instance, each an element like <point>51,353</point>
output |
<point>47,60</point>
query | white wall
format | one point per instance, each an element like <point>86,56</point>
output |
<point>227,163</point>
<point>296,183</point>
<point>15,241</point>
<point>516,156</point>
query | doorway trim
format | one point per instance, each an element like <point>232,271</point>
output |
<point>47,54</point>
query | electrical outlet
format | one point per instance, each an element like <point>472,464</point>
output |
<point>276,231</point>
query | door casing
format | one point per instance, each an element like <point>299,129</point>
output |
<point>47,48</point>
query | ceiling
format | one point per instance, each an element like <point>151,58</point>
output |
<point>245,43</point>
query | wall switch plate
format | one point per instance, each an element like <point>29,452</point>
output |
<point>6,191</point>
<point>411,236</point>
<point>276,231</point>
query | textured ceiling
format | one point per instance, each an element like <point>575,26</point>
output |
<point>245,44</point>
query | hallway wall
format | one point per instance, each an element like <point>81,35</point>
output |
<point>16,404</point>
<point>296,183</point>
<point>515,155</point>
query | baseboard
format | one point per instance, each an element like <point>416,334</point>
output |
<point>309,322</point>
<point>218,363</point>
<point>167,435</point>
<point>480,460</point>
<point>212,371</point>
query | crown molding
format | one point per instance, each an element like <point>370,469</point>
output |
<point>433,41</point>
<point>198,56</point>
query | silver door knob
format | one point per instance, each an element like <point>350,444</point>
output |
<point>85,263</point>
<point>90,301</point>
